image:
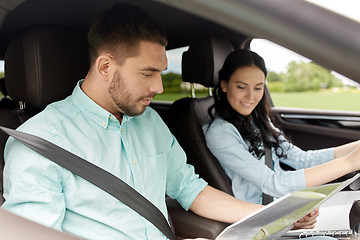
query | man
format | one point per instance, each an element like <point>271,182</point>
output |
<point>107,122</point>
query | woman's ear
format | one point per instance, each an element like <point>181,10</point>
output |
<point>223,85</point>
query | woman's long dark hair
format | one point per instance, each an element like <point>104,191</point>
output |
<point>261,132</point>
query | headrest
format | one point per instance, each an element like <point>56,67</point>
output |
<point>203,60</point>
<point>43,64</point>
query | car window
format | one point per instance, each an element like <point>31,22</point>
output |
<point>2,74</point>
<point>295,81</point>
<point>174,87</point>
<point>2,67</point>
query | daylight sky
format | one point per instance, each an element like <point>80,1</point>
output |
<point>349,8</point>
<point>268,50</point>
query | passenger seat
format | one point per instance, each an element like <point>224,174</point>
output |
<point>200,64</point>
<point>42,65</point>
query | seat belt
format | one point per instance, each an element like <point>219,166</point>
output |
<point>97,176</point>
<point>266,199</point>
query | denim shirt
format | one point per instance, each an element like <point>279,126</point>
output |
<point>249,176</point>
<point>140,150</point>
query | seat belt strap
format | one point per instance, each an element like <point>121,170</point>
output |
<point>266,199</point>
<point>97,176</point>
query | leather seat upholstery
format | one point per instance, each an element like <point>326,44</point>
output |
<point>42,65</point>
<point>200,64</point>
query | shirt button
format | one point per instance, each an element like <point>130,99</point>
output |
<point>103,123</point>
<point>121,130</point>
<point>133,162</point>
<point>111,117</point>
<point>151,237</point>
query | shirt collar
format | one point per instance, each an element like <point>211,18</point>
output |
<point>92,110</point>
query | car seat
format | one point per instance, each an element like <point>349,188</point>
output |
<point>200,64</point>
<point>42,65</point>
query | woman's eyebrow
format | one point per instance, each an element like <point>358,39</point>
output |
<point>241,82</point>
<point>247,83</point>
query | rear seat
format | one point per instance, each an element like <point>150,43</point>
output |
<point>42,65</point>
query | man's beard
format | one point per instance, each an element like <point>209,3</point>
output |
<point>121,96</point>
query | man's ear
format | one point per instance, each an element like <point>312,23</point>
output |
<point>103,65</point>
<point>223,85</point>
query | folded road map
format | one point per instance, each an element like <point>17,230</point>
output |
<point>278,217</point>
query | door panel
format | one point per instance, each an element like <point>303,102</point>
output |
<point>315,129</point>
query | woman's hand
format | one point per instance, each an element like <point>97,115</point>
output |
<point>307,222</point>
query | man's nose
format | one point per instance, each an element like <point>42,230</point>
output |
<point>157,85</point>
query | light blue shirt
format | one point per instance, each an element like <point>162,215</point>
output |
<point>141,151</point>
<point>249,176</point>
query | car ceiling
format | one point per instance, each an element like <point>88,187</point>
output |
<point>325,37</point>
<point>181,27</point>
<point>316,33</point>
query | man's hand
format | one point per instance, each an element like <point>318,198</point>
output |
<point>307,222</point>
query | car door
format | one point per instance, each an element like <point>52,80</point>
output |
<point>316,129</point>
<point>315,117</point>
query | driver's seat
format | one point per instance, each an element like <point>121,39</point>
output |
<point>42,65</point>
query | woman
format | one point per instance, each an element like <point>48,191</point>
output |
<point>241,129</point>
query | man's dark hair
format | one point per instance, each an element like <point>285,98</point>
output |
<point>119,29</point>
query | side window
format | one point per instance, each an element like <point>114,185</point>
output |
<point>295,81</point>
<point>2,75</point>
<point>174,87</point>
<point>2,68</point>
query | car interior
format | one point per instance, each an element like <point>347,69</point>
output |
<point>29,230</point>
<point>43,47</point>
<point>45,55</point>
<point>46,60</point>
